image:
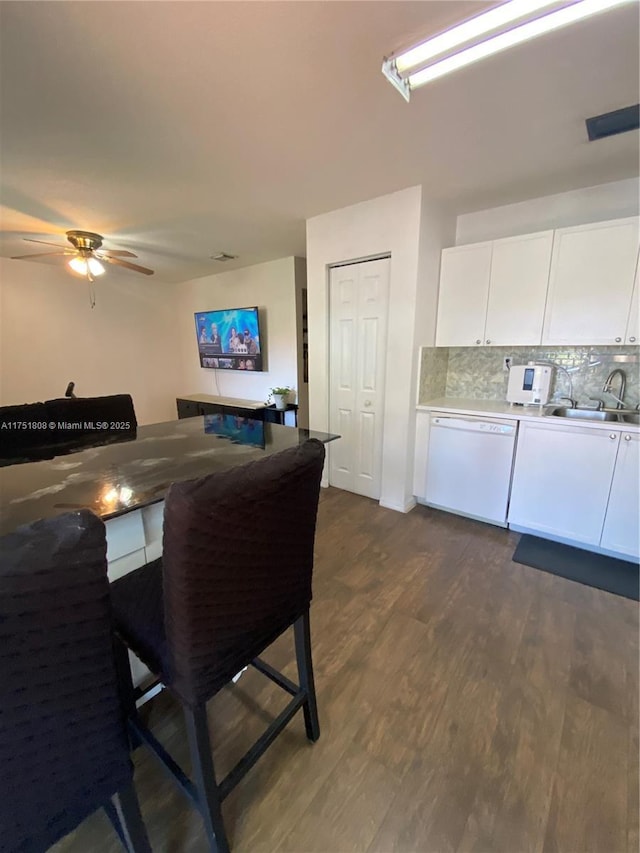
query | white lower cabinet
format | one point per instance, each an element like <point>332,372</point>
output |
<point>621,531</point>
<point>578,484</point>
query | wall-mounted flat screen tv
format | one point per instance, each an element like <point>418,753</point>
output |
<point>229,339</point>
<point>239,430</point>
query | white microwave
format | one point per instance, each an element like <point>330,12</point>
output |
<point>530,384</point>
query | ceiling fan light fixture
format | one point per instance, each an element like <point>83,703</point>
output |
<point>95,267</point>
<point>83,266</point>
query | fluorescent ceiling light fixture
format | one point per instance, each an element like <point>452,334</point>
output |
<point>497,43</point>
<point>86,265</point>
<point>468,31</point>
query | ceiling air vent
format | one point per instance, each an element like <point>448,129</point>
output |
<point>223,257</point>
<point>609,124</point>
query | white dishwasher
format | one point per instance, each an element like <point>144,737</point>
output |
<point>469,465</point>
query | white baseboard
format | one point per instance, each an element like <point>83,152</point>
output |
<point>407,507</point>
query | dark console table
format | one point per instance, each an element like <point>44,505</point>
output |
<point>207,404</point>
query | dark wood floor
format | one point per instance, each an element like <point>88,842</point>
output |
<point>467,703</point>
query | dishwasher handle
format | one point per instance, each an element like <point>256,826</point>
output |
<point>488,426</point>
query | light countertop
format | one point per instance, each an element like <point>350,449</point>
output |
<point>224,401</point>
<point>498,408</point>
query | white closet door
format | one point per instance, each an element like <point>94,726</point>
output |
<point>359,296</point>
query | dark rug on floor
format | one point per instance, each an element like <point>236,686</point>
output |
<point>617,576</point>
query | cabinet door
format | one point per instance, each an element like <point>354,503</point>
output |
<point>210,409</point>
<point>621,526</point>
<point>561,480</point>
<point>462,301</point>
<point>591,282</point>
<point>187,408</point>
<point>518,290</point>
<point>633,326</point>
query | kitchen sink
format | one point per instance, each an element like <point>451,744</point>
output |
<point>584,414</point>
<point>620,417</point>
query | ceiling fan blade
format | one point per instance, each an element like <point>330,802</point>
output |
<point>129,266</point>
<point>41,255</point>
<point>44,242</point>
<point>117,253</point>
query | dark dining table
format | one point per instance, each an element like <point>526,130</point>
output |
<point>113,475</point>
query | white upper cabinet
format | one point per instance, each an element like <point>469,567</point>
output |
<point>633,326</point>
<point>591,283</point>
<point>464,289</point>
<point>518,289</point>
<point>494,294</point>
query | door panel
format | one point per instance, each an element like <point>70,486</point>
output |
<point>620,532</point>
<point>464,290</point>
<point>633,325</point>
<point>591,283</point>
<point>346,355</point>
<point>358,323</point>
<point>369,353</point>
<point>367,446</point>
<point>561,480</point>
<point>518,289</point>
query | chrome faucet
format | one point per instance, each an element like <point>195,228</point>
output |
<point>572,403</point>
<point>606,388</point>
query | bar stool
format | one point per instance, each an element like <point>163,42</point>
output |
<point>235,574</point>
<point>63,746</point>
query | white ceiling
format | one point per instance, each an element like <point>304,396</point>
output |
<point>178,129</point>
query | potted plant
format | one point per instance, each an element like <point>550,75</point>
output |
<point>279,396</point>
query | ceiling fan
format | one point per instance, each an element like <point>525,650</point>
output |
<point>86,254</point>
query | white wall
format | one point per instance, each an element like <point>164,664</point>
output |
<point>577,207</point>
<point>389,224</point>
<point>49,335</point>
<point>437,230</point>
<point>270,286</point>
<point>303,387</point>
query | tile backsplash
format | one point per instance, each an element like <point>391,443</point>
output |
<point>476,372</point>
<point>433,373</point>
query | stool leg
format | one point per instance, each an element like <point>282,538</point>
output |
<point>125,689</point>
<point>302,636</point>
<point>205,779</point>
<point>132,829</point>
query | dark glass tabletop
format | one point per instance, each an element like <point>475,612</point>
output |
<point>115,476</point>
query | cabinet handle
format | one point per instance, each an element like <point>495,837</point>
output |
<point>627,438</point>
<point>478,341</point>
<point>487,341</point>
<point>632,340</point>
<point>618,340</point>
<point>612,435</point>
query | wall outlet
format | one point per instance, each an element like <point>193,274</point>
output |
<point>506,363</point>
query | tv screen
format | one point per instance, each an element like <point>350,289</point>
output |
<point>229,339</point>
<point>239,430</point>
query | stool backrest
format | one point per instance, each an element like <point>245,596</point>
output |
<point>111,409</point>
<point>63,749</point>
<point>237,564</point>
